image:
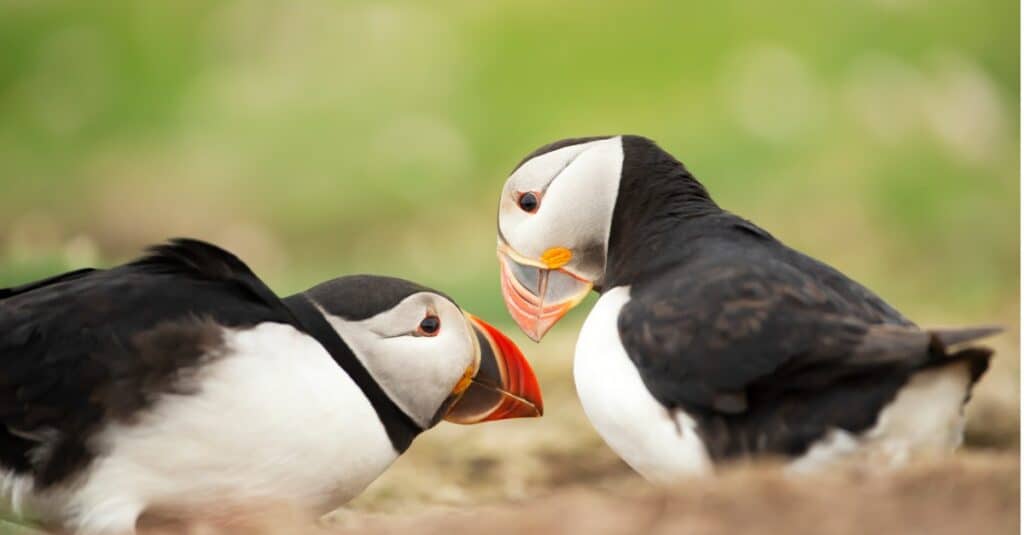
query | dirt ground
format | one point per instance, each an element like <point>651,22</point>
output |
<point>554,475</point>
<point>972,494</point>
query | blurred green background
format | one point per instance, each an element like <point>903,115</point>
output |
<point>321,138</point>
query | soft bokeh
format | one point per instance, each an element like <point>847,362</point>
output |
<point>320,138</point>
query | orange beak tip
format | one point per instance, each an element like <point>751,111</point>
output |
<point>520,394</point>
<point>533,336</point>
<point>537,314</point>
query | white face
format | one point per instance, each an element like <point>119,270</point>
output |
<point>554,248</point>
<point>417,369</point>
<point>576,188</point>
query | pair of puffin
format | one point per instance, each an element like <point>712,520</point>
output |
<point>711,339</point>
<point>181,384</point>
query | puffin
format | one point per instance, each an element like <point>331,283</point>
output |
<point>180,385</point>
<point>712,341</point>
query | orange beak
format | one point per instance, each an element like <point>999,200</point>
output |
<point>537,297</point>
<point>504,386</point>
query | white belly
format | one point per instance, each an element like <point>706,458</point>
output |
<point>662,446</point>
<point>275,422</point>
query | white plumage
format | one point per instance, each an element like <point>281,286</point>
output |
<point>297,431</point>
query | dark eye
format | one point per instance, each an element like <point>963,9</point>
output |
<point>529,202</point>
<point>430,326</point>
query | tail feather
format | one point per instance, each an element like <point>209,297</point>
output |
<point>944,339</point>
<point>977,357</point>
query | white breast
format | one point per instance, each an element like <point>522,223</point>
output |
<point>926,417</point>
<point>662,446</point>
<point>275,420</point>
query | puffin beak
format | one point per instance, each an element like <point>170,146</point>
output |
<point>503,385</point>
<point>538,294</point>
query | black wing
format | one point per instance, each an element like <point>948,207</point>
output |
<point>743,342</point>
<point>95,345</point>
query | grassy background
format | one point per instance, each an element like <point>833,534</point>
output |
<point>321,138</point>
<point>328,137</point>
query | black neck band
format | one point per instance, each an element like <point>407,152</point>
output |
<point>400,427</point>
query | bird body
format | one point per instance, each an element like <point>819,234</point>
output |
<point>712,340</point>
<point>180,385</point>
<point>270,409</point>
<point>658,443</point>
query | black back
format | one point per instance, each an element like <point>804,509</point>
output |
<point>92,346</point>
<point>766,347</point>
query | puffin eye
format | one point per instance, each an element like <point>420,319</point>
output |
<point>429,326</point>
<point>529,202</point>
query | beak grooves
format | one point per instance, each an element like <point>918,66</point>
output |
<point>504,385</point>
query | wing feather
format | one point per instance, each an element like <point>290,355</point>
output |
<point>708,336</point>
<point>88,346</point>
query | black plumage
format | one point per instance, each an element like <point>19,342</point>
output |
<point>550,147</point>
<point>95,346</point>
<point>341,301</point>
<point>764,346</point>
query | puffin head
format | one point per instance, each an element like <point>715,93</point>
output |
<point>432,359</point>
<point>554,219</point>
<point>556,237</point>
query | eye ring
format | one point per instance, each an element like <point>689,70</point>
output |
<point>529,201</point>
<point>429,326</point>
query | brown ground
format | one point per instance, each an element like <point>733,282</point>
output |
<point>973,494</point>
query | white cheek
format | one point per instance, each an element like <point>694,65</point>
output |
<point>452,358</point>
<point>520,228</point>
<point>413,362</point>
<point>577,207</point>
<point>510,220</point>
